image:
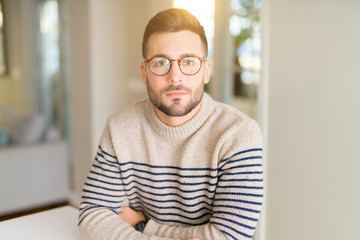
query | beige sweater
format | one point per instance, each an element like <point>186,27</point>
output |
<point>202,179</point>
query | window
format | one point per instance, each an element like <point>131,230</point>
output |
<point>204,11</point>
<point>52,77</point>
<point>245,30</point>
<point>234,51</point>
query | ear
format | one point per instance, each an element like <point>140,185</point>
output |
<point>143,71</point>
<point>207,72</point>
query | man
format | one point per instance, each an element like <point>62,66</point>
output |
<point>189,167</point>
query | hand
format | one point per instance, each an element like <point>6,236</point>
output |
<point>131,216</point>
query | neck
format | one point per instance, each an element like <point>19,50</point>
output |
<point>177,121</point>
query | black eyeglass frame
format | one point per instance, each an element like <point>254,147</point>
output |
<point>202,60</point>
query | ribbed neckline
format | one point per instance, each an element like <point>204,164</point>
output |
<point>185,129</point>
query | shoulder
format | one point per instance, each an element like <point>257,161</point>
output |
<point>225,116</point>
<point>235,131</point>
<point>123,123</point>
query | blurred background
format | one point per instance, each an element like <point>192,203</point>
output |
<point>66,65</point>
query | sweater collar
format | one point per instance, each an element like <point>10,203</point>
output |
<point>185,129</point>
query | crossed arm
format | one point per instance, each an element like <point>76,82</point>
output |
<point>235,210</point>
<point>133,217</point>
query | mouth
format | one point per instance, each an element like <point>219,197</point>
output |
<point>176,93</point>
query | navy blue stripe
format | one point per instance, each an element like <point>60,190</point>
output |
<point>108,160</point>
<point>242,173</point>
<point>106,176</point>
<point>169,174</point>
<point>91,203</point>
<point>241,166</point>
<point>107,164</point>
<point>89,214</point>
<point>82,219</point>
<point>92,206</point>
<point>189,211</point>
<point>241,152</point>
<point>239,194</point>
<point>152,180</point>
<point>110,183</point>
<point>195,169</point>
<point>189,169</point>
<point>105,170</point>
<point>171,220</point>
<point>173,214</point>
<point>232,221</point>
<point>241,180</point>
<point>237,200</point>
<point>242,187</point>
<point>173,174</point>
<point>236,215</point>
<point>171,207</point>
<point>102,150</point>
<point>101,200</point>
<point>103,194</point>
<point>243,159</point>
<point>168,194</point>
<point>166,201</point>
<point>104,188</point>
<point>169,180</point>
<point>171,187</point>
<point>169,167</point>
<point>233,229</point>
<point>146,185</point>
<point>236,207</point>
<point>87,209</point>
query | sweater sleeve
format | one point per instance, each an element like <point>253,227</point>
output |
<point>239,192</point>
<point>103,197</point>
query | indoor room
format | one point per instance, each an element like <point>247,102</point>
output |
<point>292,66</point>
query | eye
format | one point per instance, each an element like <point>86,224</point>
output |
<point>159,62</point>
<point>188,61</point>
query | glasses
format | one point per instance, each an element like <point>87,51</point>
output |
<point>160,66</point>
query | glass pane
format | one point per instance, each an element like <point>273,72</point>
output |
<point>50,86</point>
<point>204,11</point>
<point>245,29</point>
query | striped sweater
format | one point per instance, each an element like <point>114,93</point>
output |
<point>202,179</point>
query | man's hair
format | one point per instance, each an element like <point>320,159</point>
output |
<point>173,20</point>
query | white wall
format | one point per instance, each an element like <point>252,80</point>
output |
<point>108,55</point>
<point>98,52</point>
<point>313,148</point>
<point>80,89</point>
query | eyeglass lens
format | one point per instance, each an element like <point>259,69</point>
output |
<point>188,65</point>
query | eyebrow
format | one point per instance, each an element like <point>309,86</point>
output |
<point>167,56</point>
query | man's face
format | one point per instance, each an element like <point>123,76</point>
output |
<point>175,94</point>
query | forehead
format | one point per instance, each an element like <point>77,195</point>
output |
<point>175,44</point>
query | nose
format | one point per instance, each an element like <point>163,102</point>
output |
<point>175,75</point>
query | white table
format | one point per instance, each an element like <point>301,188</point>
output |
<point>56,224</point>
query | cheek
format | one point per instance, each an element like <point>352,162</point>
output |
<point>199,83</point>
<point>155,84</point>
